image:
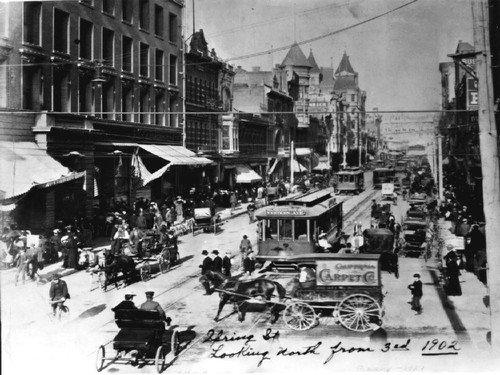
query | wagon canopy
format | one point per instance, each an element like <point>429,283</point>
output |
<point>379,240</point>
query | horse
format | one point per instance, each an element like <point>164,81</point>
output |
<point>118,263</point>
<point>240,291</point>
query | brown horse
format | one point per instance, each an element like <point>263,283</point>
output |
<point>241,291</point>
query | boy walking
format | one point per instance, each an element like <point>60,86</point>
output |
<point>416,291</point>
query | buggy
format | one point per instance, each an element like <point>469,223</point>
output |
<point>142,339</point>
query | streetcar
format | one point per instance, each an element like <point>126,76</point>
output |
<point>292,226</point>
<point>382,176</point>
<point>350,180</point>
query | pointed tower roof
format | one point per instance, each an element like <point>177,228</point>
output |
<point>295,57</point>
<point>312,61</point>
<point>464,47</point>
<point>345,66</point>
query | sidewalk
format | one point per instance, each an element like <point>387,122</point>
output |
<point>470,307</point>
<point>101,243</point>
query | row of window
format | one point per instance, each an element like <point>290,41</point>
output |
<point>144,16</point>
<point>86,44</point>
<point>136,103</point>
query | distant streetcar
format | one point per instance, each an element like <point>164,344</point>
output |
<point>382,176</point>
<point>350,180</point>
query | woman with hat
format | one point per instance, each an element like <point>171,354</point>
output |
<point>452,287</point>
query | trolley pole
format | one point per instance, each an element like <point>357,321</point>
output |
<point>489,161</point>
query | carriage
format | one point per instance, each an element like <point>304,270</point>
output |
<point>142,340</point>
<point>204,220</point>
<point>381,241</point>
<point>347,287</point>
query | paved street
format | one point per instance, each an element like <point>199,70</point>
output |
<point>25,310</point>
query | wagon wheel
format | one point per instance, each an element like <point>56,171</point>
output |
<point>100,358</point>
<point>174,346</point>
<point>164,264</point>
<point>355,311</point>
<point>160,359</point>
<point>299,316</point>
<point>146,271</point>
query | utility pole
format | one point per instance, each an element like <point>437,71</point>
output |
<point>291,163</point>
<point>440,166</point>
<point>489,161</point>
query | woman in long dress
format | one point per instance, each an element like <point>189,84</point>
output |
<point>453,287</point>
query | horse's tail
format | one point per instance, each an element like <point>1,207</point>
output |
<point>281,290</point>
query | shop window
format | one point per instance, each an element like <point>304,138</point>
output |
<point>160,108</point>
<point>127,102</point>
<point>85,39</point>
<point>85,94</point>
<point>108,44</point>
<point>108,6</point>
<point>173,118</point>
<point>144,106</point>
<point>31,86</point>
<point>172,27</point>
<point>61,92</point>
<point>144,14</point>
<point>108,100</point>
<point>173,70</point>
<point>144,60</point>
<point>159,24</point>
<point>159,65</point>
<point>3,83</point>
<point>127,10</point>
<point>31,21</point>
<point>127,54</point>
<point>61,31</point>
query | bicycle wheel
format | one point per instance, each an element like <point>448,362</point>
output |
<point>64,314</point>
<point>164,265</point>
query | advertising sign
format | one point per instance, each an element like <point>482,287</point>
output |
<point>387,189</point>
<point>347,272</point>
<point>285,211</point>
<point>472,98</point>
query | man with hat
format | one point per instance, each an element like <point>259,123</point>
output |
<point>54,246</point>
<point>58,292</point>
<point>126,304</point>
<point>153,305</point>
<point>226,264</point>
<point>249,263</point>
<point>245,246</point>
<point>416,291</point>
<point>217,262</point>
<point>206,265</point>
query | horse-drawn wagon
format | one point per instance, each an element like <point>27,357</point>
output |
<point>142,339</point>
<point>346,287</point>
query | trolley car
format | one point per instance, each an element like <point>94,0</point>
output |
<point>382,176</point>
<point>350,180</point>
<point>292,226</point>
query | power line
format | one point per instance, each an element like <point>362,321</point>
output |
<point>321,36</point>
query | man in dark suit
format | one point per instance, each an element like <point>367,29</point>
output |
<point>217,262</point>
<point>206,265</point>
<point>226,264</point>
<point>126,304</point>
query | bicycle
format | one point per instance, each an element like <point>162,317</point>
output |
<point>61,313</point>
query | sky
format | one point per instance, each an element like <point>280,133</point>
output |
<point>397,56</point>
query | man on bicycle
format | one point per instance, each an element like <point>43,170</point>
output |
<point>58,293</point>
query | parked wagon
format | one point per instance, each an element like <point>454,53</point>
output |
<point>142,340</point>
<point>204,220</point>
<point>381,241</point>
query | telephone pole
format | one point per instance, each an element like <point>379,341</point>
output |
<point>489,161</point>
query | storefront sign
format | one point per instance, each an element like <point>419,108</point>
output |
<point>472,94</point>
<point>285,211</point>
<point>347,272</point>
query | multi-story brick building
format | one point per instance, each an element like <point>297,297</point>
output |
<point>89,83</point>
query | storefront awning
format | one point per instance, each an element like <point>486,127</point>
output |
<point>322,166</point>
<point>297,167</point>
<point>25,165</point>
<point>246,175</point>
<point>176,155</point>
<point>303,151</point>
